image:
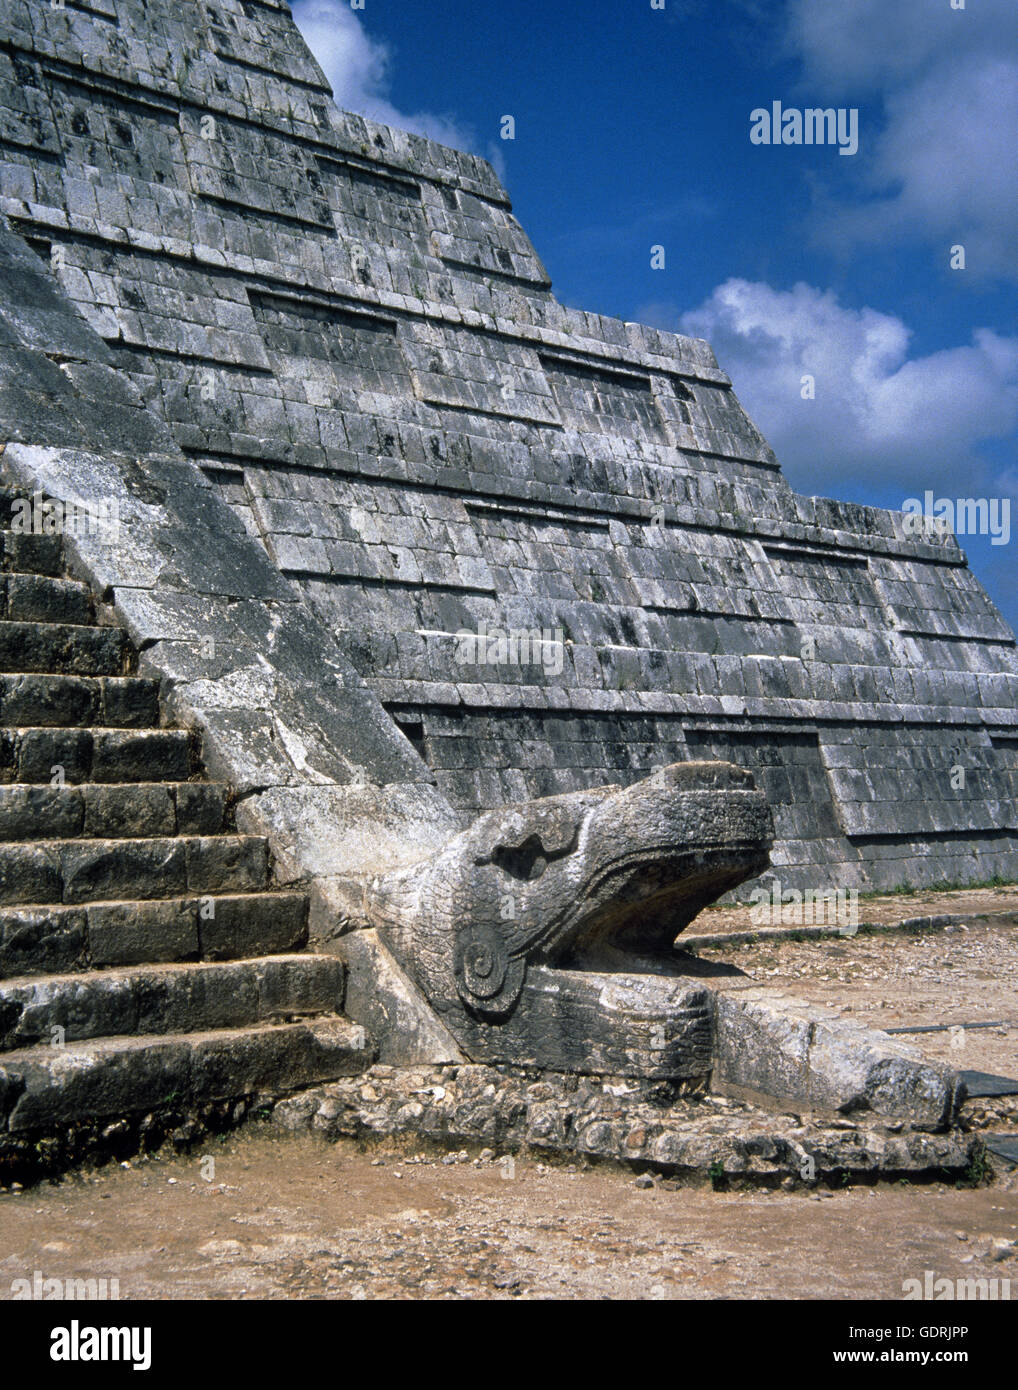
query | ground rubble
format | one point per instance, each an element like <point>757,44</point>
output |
<point>997,1113</point>
<point>651,1126</point>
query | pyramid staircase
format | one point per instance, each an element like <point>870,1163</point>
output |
<point>149,969</point>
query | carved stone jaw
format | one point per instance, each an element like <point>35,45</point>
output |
<point>577,881</point>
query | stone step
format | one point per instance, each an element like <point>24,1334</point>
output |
<point>46,1087</point>
<point>81,871</point>
<point>63,649</point>
<point>44,939</point>
<point>36,598</point>
<point>26,553</point>
<point>53,701</point>
<point>95,755</point>
<point>111,811</point>
<point>58,1010</point>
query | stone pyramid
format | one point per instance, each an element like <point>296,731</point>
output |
<point>551,543</point>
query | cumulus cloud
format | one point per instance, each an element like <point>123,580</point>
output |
<point>878,413</point>
<point>947,160</point>
<point>358,67</point>
<point>871,46</point>
<point>942,166</point>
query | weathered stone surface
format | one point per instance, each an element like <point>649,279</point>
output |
<point>30,874</point>
<point>45,812</point>
<point>410,541</point>
<point>357,345</point>
<point>129,933</point>
<point>226,863</point>
<point>121,1076</point>
<point>331,831</point>
<point>41,939</point>
<point>103,884</point>
<point>390,1005</point>
<point>241,924</point>
<point>99,869</point>
<point>34,753</point>
<point>96,754</point>
<point>32,598</point>
<point>166,999</point>
<point>82,651</point>
<point>130,703</point>
<point>24,552</point>
<point>782,1047</point>
<point>586,879</point>
<point>648,1124</point>
<point>131,811</point>
<point>604,1024</point>
<point>50,700</point>
<point>200,808</point>
<point>142,755</point>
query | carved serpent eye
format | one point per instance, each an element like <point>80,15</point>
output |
<point>525,861</point>
<point>523,841</point>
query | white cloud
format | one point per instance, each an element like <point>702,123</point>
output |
<point>357,66</point>
<point>942,167</point>
<point>878,414</point>
<point>947,155</point>
<point>874,46</point>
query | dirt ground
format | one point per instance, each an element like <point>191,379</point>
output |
<point>292,1216</point>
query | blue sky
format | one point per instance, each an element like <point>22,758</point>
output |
<point>633,130</point>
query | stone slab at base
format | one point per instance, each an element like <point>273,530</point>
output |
<point>389,1006</point>
<point>779,1046</point>
<point>610,1024</point>
<point>756,936</point>
<point>43,1089</point>
<point>1003,1146</point>
<point>981,1083</point>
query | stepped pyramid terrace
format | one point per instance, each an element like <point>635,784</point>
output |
<point>395,661</point>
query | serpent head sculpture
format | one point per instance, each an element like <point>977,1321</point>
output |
<point>586,884</point>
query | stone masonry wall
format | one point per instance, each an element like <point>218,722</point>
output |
<point>346,330</point>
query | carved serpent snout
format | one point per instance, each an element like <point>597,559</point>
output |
<point>554,880</point>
